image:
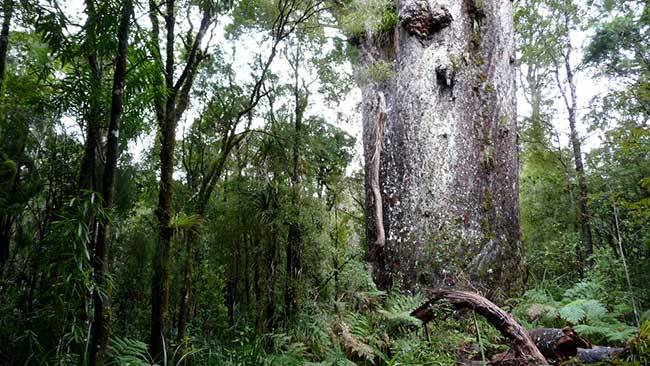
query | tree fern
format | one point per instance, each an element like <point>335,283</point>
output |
<point>594,309</point>
<point>359,326</point>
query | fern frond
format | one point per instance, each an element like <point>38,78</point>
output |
<point>573,312</point>
<point>594,309</point>
<point>584,290</point>
<point>127,352</point>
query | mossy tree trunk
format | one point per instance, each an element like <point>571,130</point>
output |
<point>102,311</point>
<point>7,13</point>
<point>6,221</point>
<point>441,120</point>
<point>170,107</point>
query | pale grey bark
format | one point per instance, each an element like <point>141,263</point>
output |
<point>448,163</point>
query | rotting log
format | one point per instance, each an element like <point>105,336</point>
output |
<point>558,344</point>
<point>599,354</point>
<point>525,350</point>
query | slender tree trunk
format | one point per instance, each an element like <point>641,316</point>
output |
<point>272,272</point>
<point>6,225</point>
<point>187,286</point>
<point>294,240</point>
<point>582,186</point>
<point>6,221</point>
<point>245,248</point>
<point>87,177</point>
<point>169,110</point>
<point>446,141</point>
<point>167,122</point>
<point>7,12</point>
<point>537,133</point>
<point>102,317</point>
<point>570,101</point>
<point>257,286</point>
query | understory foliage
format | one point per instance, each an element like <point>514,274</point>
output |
<point>587,307</point>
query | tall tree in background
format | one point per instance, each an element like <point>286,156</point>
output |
<point>620,49</point>
<point>295,236</point>
<point>229,107</point>
<point>171,103</point>
<point>567,15</point>
<point>440,144</point>
<point>94,101</point>
<point>101,296</point>
<point>547,175</point>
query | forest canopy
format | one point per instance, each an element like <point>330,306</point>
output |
<point>285,182</point>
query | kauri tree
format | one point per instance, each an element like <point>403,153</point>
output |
<point>440,145</point>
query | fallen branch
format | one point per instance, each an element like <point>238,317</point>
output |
<point>525,351</point>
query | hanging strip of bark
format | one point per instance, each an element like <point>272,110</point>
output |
<point>380,240</point>
<point>524,349</point>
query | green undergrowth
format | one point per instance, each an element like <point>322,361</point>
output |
<point>374,329</point>
<point>370,327</point>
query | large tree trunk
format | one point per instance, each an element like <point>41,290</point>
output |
<point>446,141</point>
<point>101,320</point>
